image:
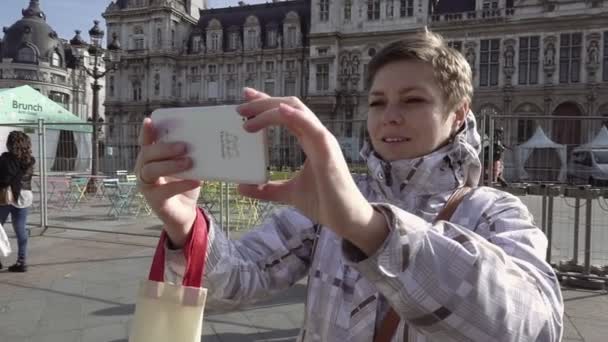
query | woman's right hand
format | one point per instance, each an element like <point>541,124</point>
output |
<point>172,200</point>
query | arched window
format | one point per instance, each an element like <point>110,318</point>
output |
<point>56,60</point>
<point>157,84</point>
<point>373,9</point>
<point>271,37</point>
<point>60,98</point>
<point>26,55</point>
<point>159,37</point>
<point>233,40</point>
<point>252,38</point>
<point>215,42</point>
<point>291,36</point>
<point>348,5</point>
<point>138,38</point>
<point>136,91</point>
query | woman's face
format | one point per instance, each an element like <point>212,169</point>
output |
<point>407,115</point>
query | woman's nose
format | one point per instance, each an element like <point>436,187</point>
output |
<point>392,115</point>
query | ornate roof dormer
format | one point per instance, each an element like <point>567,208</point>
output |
<point>34,11</point>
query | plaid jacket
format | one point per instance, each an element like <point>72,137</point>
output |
<point>480,277</point>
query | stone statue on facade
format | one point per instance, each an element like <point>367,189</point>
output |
<point>549,60</point>
<point>354,65</point>
<point>157,83</point>
<point>509,55</point>
<point>593,54</point>
<point>344,65</point>
<point>471,57</point>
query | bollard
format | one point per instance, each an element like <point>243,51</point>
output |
<point>589,281</point>
<point>549,227</point>
<point>587,267</point>
<point>41,170</point>
<point>551,191</point>
<point>482,127</point>
<point>222,205</point>
<point>590,195</point>
<point>45,168</point>
<point>577,213</point>
<point>543,211</point>
<point>577,193</point>
<point>491,153</point>
<point>538,190</point>
<point>227,209</point>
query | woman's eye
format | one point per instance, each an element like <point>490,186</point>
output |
<point>414,100</point>
<point>375,103</point>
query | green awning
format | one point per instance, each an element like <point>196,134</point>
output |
<point>24,105</point>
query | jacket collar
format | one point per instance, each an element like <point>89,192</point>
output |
<point>444,170</point>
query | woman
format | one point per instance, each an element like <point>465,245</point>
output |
<point>481,276</point>
<point>16,169</point>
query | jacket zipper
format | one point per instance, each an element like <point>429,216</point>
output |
<point>388,178</point>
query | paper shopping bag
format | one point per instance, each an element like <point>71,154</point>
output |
<point>5,245</point>
<point>168,312</point>
<point>6,196</point>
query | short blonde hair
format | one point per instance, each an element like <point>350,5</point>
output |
<point>452,71</point>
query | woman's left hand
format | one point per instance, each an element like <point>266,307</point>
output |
<point>323,189</point>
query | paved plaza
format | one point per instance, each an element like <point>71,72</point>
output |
<point>81,287</point>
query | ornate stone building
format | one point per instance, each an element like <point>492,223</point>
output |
<point>179,53</point>
<point>530,57</point>
<point>535,57</point>
<point>31,53</point>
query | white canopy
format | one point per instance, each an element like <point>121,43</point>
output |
<point>540,141</point>
<point>24,105</point>
<point>600,141</point>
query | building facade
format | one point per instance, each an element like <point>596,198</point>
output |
<point>530,58</point>
<point>31,53</point>
<point>179,53</point>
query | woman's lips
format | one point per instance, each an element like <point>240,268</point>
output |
<point>393,140</point>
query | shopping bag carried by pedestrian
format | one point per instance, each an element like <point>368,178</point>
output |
<point>6,196</point>
<point>172,312</point>
<point>5,245</point>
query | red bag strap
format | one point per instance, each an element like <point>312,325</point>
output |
<point>195,252</point>
<point>157,269</point>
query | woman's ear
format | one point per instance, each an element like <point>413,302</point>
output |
<point>461,115</point>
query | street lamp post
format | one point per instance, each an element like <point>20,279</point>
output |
<point>79,46</point>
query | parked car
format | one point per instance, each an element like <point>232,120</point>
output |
<point>588,166</point>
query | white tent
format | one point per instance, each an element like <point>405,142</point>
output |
<point>600,141</point>
<point>21,107</point>
<point>540,141</point>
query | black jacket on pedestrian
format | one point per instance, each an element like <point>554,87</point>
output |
<point>15,174</point>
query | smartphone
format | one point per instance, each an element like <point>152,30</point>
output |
<point>219,146</point>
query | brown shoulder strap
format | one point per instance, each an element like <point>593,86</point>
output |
<point>452,204</point>
<point>391,320</point>
<point>388,327</point>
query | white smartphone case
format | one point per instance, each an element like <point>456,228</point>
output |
<point>218,144</point>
